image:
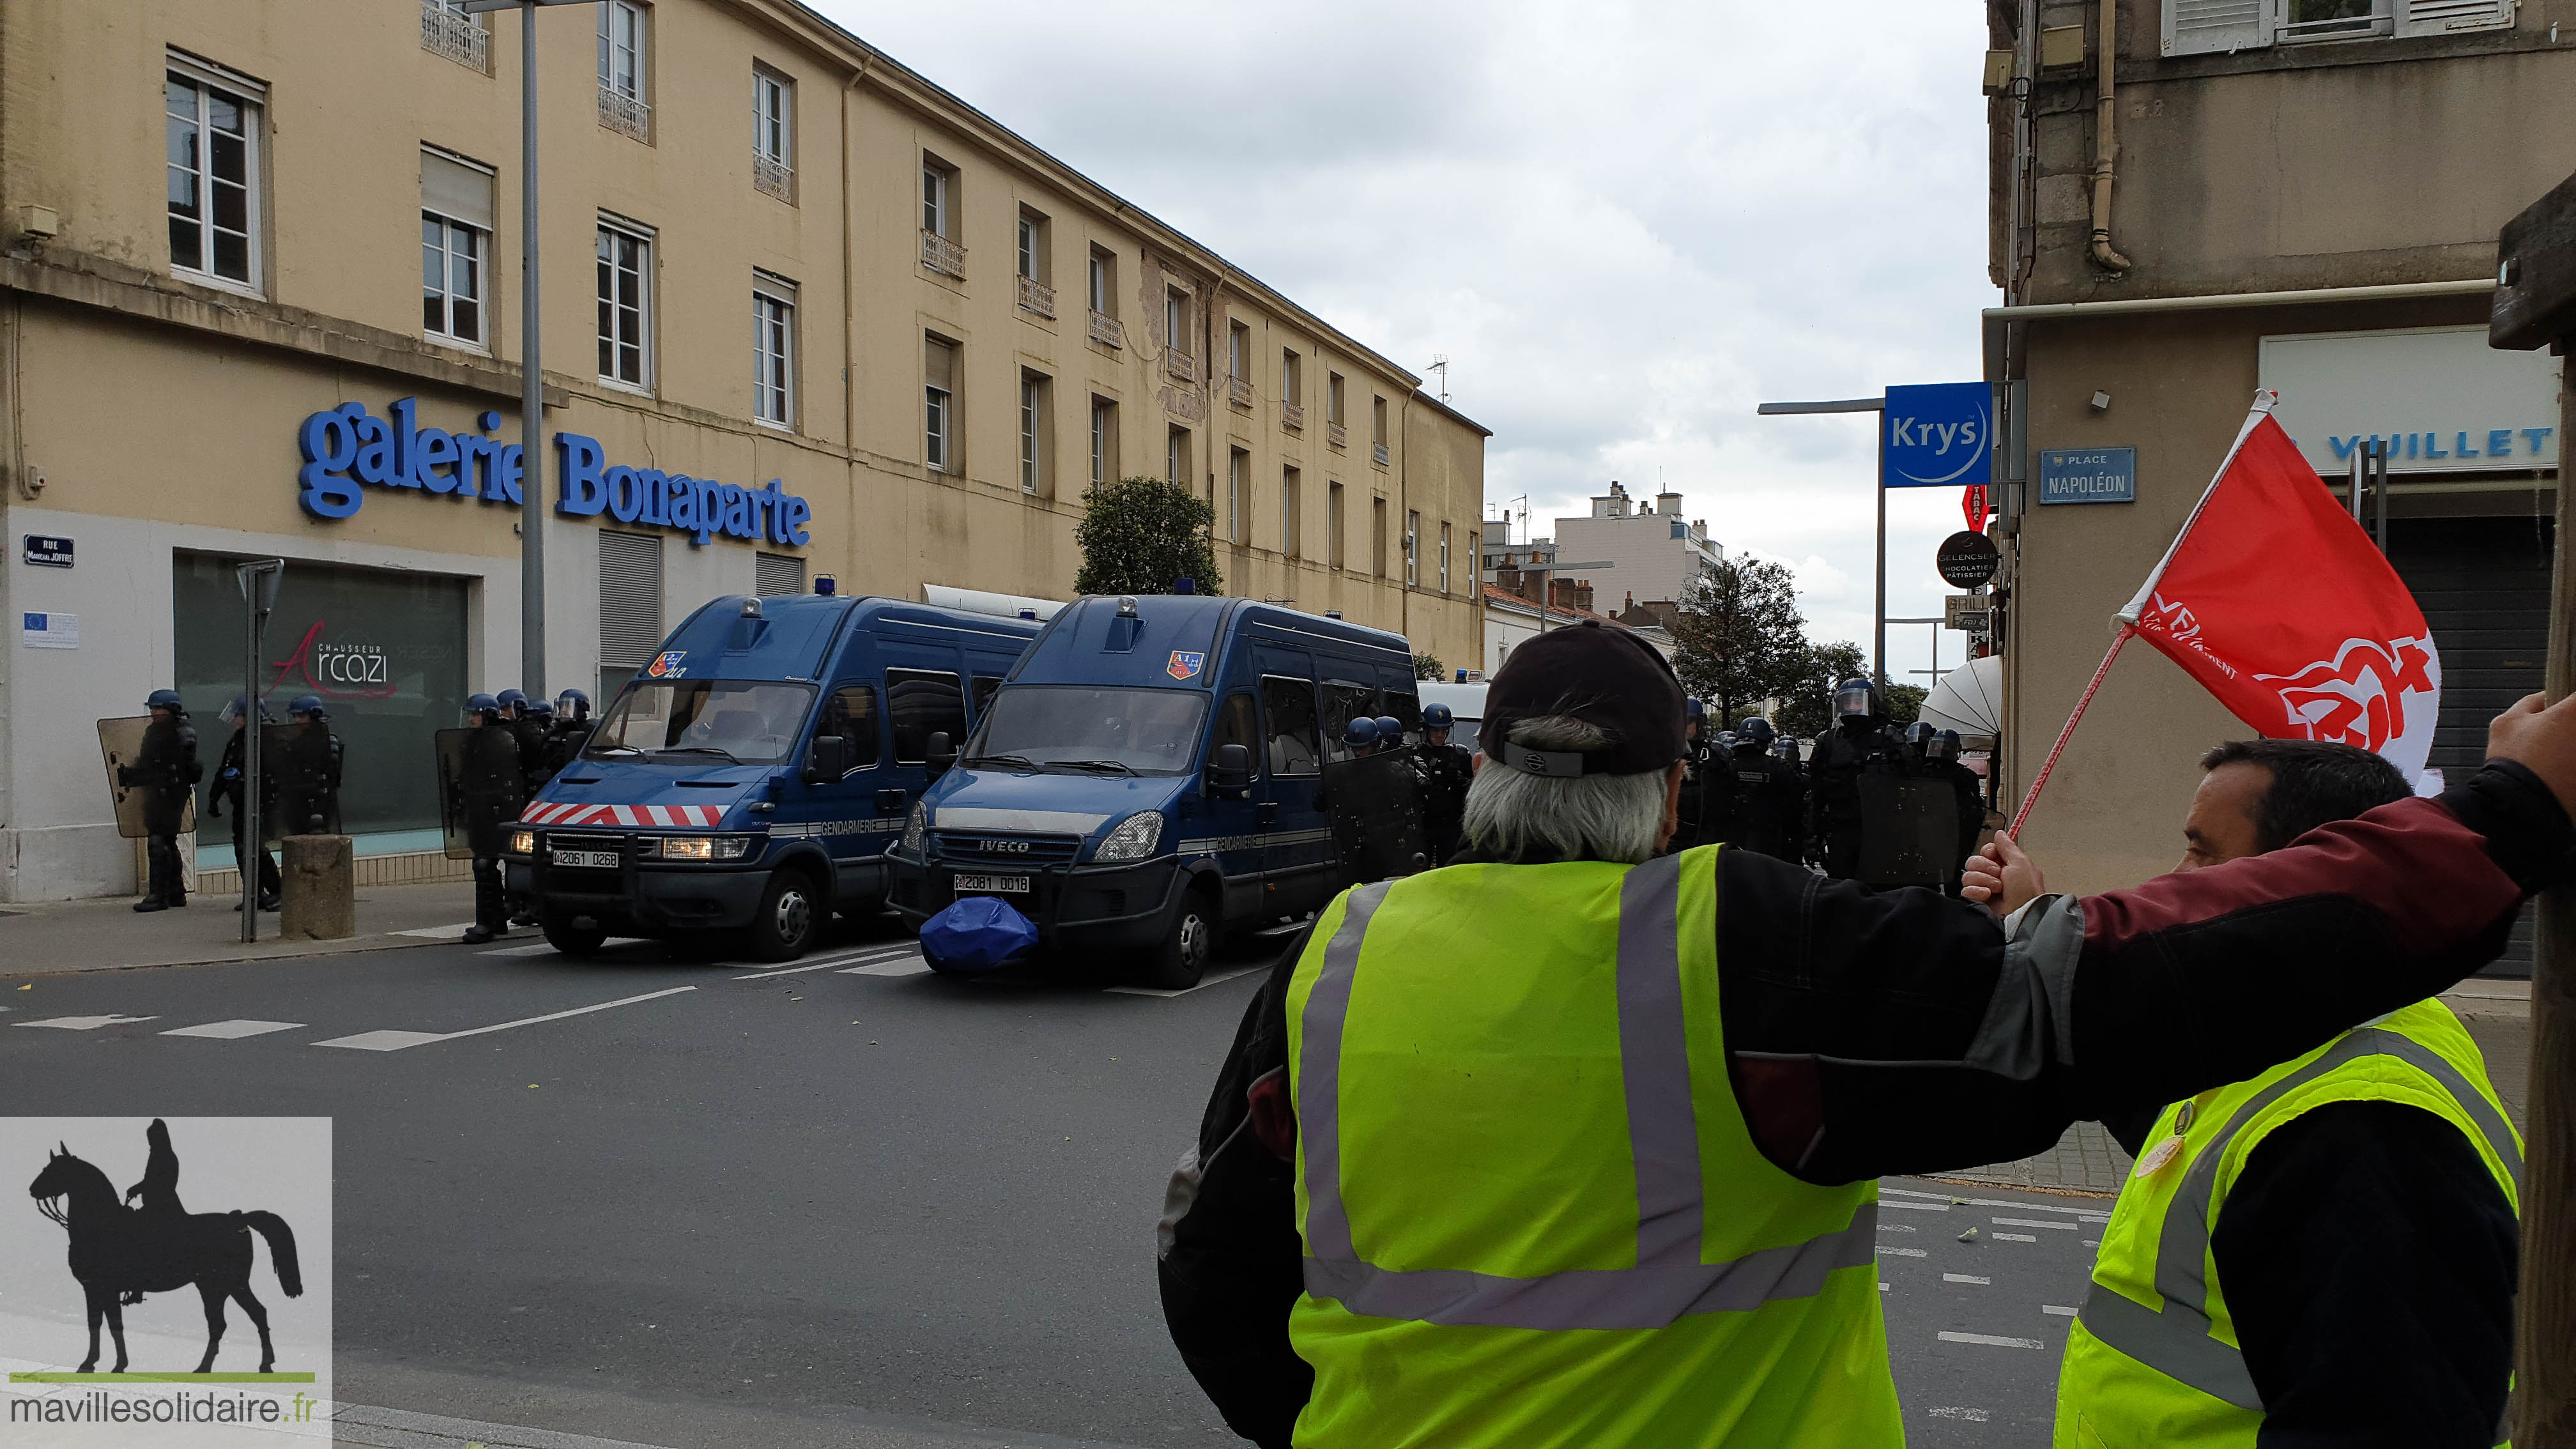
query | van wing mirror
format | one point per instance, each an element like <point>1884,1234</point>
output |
<point>827,760</point>
<point>1230,772</point>
<point>941,755</point>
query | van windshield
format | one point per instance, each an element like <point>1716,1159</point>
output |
<point>737,720</point>
<point>1079,727</point>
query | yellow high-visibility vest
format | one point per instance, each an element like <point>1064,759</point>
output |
<point>1532,1212</point>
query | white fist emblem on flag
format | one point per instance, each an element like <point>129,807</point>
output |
<point>2378,696</point>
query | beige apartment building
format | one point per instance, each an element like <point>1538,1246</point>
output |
<point>2302,195</point>
<point>805,314</point>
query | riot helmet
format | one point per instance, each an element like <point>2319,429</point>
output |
<point>1726,740</point>
<point>512,701</point>
<point>1858,699</point>
<point>1390,731</point>
<point>573,705</point>
<point>1437,717</point>
<point>165,699</point>
<point>1756,732</point>
<point>239,707</point>
<point>1360,733</point>
<point>308,706</point>
<point>1785,750</point>
<point>1918,737</point>
<point>482,709</point>
<point>1943,746</point>
<point>538,709</point>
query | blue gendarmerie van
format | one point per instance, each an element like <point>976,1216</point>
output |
<point>1151,775</point>
<point>751,776</point>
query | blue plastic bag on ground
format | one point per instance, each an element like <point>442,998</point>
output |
<point>978,933</point>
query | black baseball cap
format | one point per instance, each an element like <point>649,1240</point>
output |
<point>1609,678</point>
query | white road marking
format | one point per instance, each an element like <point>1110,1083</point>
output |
<point>1920,1207</point>
<point>1990,1340</point>
<point>2092,1214</point>
<point>234,1030</point>
<point>539,949</point>
<point>2055,1309</point>
<point>84,1023</point>
<point>394,1041</point>
<point>2032,1223</point>
<point>828,963</point>
<point>1902,1253</point>
<point>432,933</point>
<point>2015,1238</point>
<point>1205,982</point>
<point>2092,1242</point>
<point>1965,1278</point>
<point>897,966</point>
<point>1910,1192</point>
<point>1973,1416</point>
<point>1896,1227</point>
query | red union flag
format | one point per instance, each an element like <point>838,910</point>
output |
<point>2276,601</point>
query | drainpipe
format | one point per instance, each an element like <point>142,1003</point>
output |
<point>2105,42</point>
<point>849,334</point>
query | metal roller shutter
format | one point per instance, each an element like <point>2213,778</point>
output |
<point>630,597</point>
<point>2483,584</point>
<point>778,573</point>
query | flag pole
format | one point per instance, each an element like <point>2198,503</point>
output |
<point>2119,641</point>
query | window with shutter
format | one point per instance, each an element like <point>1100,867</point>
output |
<point>2198,27</point>
<point>778,573</point>
<point>2447,17</point>
<point>630,598</point>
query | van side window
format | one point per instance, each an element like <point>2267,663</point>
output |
<point>984,685</point>
<point>921,703</point>
<point>1342,704</point>
<point>1237,726</point>
<point>1290,703</point>
<point>851,713</point>
<point>1408,708</point>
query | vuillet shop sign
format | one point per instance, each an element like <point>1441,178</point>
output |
<point>348,450</point>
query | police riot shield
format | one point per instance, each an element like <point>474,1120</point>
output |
<point>449,748</point>
<point>1764,812</point>
<point>120,745</point>
<point>1376,808</point>
<point>1909,831</point>
<point>297,760</point>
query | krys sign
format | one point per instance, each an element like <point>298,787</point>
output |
<point>348,450</point>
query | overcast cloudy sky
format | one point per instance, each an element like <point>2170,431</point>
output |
<point>1625,224</point>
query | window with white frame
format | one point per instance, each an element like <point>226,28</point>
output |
<point>455,238</point>
<point>1292,509</point>
<point>214,146</point>
<point>1104,441</point>
<point>773,349</point>
<point>1444,558</point>
<point>625,305</point>
<point>621,49</point>
<point>1238,497</point>
<point>1037,453</point>
<point>1176,457</point>
<point>773,133</point>
<point>939,404</point>
<point>2200,27</point>
<point>1104,282</point>
<point>1412,548</point>
<point>938,199</point>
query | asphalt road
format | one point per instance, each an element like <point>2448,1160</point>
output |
<point>813,1204</point>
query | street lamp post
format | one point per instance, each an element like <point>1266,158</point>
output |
<point>532,380</point>
<point>1878,641</point>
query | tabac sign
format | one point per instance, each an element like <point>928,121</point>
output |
<point>348,450</point>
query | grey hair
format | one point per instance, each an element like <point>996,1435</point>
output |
<point>1511,814</point>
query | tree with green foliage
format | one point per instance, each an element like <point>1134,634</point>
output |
<point>1807,707</point>
<point>1904,702</point>
<point>1138,535</point>
<point>1742,639</point>
<point>1426,665</point>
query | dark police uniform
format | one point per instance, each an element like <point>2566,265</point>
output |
<point>230,789</point>
<point>310,780</point>
<point>1445,772</point>
<point>167,771</point>
<point>1771,809</point>
<point>1843,753</point>
<point>494,793</point>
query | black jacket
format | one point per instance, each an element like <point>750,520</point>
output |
<point>1876,1033</point>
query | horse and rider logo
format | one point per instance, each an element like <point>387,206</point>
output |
<point>122,1248</point>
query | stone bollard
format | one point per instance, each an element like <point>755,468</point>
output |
<point>321,888</point>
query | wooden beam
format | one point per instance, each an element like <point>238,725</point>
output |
<point>2535,299</point>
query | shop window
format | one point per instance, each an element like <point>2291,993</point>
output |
<point>385,649</point>
<point>215,138</point>
<point>1290,705</point>
<point>773,349</point>
<point>851,713</point>
<point>921,703</point>
<point>625,305</point>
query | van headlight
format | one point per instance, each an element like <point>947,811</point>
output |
<point>521,842</point>
<point>1134,839</point>
<point>704,847</point>
<point>916,828</point>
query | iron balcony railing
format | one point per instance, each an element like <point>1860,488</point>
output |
<point>1337,435</point>
<point>1378,451</point>
<point>942,255</point>
<point>1292,417</point>
<point>1239,391</point>
<point>773,176</point>
<point>456,36</point>
<point>1037,297</point>
<point>1180,365</point>
<point>1106,331</point>
<point>625,114</point>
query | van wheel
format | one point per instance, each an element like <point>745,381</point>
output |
<point>565,935</point>
<point>788,918</point>
<point>1183,957</point>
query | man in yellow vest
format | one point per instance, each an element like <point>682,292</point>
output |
<point>1570,1144</point>
<point>2324,1252</point>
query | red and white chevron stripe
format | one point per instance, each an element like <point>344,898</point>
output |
<point>683,817</point>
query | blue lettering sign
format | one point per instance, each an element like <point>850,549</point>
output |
<point>349,449</point>
<point>1936,434</point>
<point>2088,475</point>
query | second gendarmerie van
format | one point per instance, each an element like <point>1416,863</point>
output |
<point>1152,774</point>
<point>751,776</point>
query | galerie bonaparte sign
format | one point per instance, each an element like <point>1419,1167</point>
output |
<point>349,449</point>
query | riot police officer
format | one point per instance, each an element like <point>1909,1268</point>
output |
<point>1858,742</point>
<point>309,773</point>
<point>524,726</point>
<point>1360,736</point>
<point>1445,770</point>
<point>1390,733</point>
<point>1941,761</point>
<point>491,793</point>
<point>1696,754</point>
<point>572,729</point>
<point>536,733</point>
<point>1771,792</point>
<point>166,770</point>
<point>231,787</point>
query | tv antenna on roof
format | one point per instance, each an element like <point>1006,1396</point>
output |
<point>1440,365</point>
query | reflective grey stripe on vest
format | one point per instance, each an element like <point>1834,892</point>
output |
<point>1669,1281</point>
<point>2177,1341</point>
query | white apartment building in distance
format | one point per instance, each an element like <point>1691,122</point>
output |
<point>1656,555</point>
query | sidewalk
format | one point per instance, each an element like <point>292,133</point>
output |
<point>47,938</point>
<point>2087,1161</point>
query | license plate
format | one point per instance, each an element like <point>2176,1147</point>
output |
<point>587,859</point>
<point>1000,885</point>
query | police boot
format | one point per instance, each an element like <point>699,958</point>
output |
<point>491,909</point>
